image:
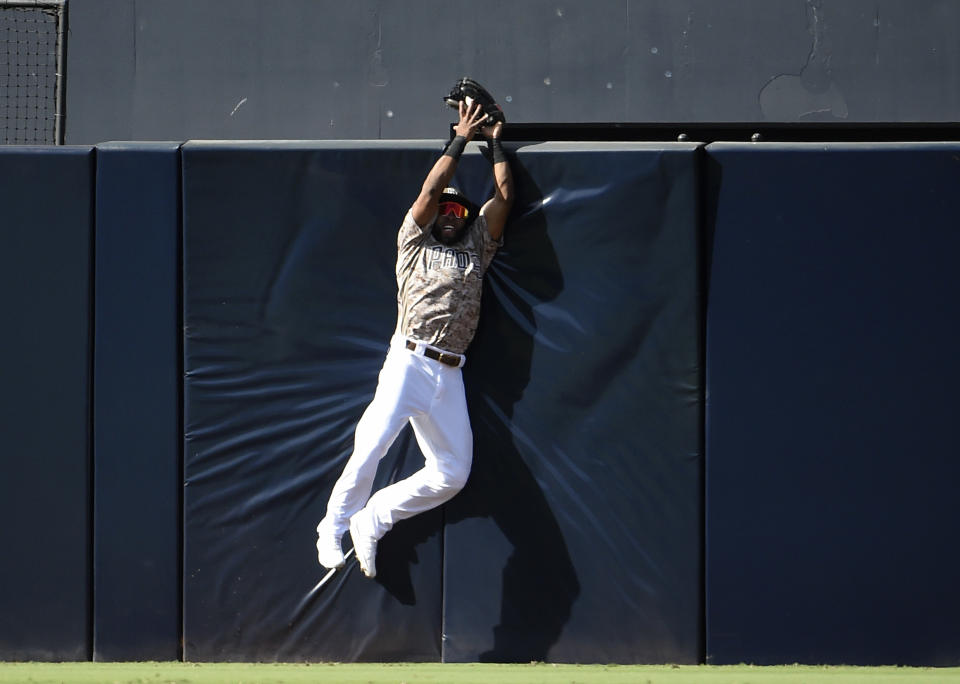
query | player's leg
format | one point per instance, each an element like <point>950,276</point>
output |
<point>446,440</point>
<point>401,392</point>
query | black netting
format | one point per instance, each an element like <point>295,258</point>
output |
<point>29,53</point>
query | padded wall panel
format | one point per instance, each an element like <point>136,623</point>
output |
<point>290,301</point>
<point>832,512</point>
<point>578,536</point>
<point>137,441</point>
<point>46,216</point>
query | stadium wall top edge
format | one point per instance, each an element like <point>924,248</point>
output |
<point>41,4</point>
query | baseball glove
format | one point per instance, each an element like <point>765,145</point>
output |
<point>469,91</point>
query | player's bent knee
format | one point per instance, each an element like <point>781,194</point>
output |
<point>453,482</point>
<point>446,484</point>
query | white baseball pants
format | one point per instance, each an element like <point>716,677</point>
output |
<point>429,395</point>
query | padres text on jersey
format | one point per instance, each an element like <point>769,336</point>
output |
<point>439,285</point>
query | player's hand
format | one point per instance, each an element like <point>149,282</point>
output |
<point>470,119</point>
<point>493,131</point>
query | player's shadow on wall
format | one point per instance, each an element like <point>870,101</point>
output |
<point>539,584</point>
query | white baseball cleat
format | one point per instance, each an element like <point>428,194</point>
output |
<point>364,544</point>
<point>329,552</point>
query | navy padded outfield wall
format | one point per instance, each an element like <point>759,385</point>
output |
<point>577,537</point>
<point>137,439</point>
<point>584,393</point>
<point>289,302</point>
<point>46,209</point>
<point>832,470</point>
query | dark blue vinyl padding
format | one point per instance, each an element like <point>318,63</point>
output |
<point>584,394</point>
<point>46,222</point>
<point>137,443</point>
<point>577,538</point>
<point>823,492</point>
<point>289,304</point>
<point>832,375</point>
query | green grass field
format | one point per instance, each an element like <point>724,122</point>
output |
<point>245,673</point>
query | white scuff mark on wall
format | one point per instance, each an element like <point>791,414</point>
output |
<point>239,104</point>
<point>378,72</point>
<point>812,92</point>
<point>876,25</point>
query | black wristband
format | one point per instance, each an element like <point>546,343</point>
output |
<point>455,148</point>
<point>496,151</point>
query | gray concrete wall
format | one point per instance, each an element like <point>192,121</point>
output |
<point>367,69</point>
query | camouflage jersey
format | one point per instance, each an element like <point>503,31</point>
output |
<point>439,286</point>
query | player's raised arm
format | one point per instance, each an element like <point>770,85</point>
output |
<point>498,207</point>
<point>425,206</point>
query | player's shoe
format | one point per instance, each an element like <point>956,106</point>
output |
<point>329,551</point>
<point>364,543</point>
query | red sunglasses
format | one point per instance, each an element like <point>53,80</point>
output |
<point>458,210</point>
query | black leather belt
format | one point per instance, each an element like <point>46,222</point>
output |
<point>448,359</point>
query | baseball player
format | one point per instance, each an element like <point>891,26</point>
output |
<point>443,250</point>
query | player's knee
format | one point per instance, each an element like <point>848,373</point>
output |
<point>445,484</point>
<point>453,481</point>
